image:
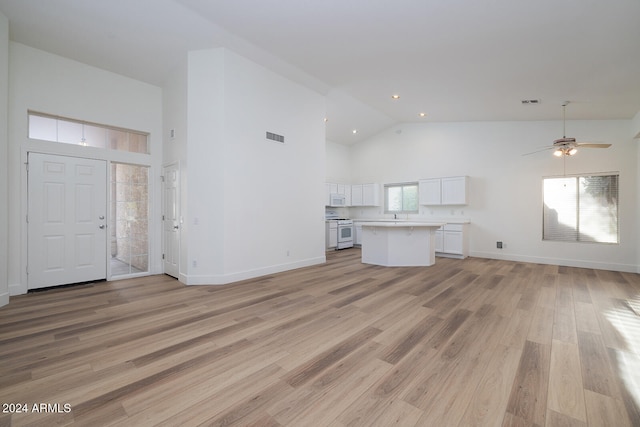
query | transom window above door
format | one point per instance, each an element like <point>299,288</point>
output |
<point>52,128</point>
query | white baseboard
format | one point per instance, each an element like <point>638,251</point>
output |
<point>627,268</point>
<point>224,279</point>
<point>17,289</point>
<point>4,299</point>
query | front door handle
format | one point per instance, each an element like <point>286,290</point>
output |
<point>101,226</point>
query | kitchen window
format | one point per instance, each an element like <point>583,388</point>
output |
<point>581,209</point>
<point>401,198</point>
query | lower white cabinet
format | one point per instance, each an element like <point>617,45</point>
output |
<point>357,238</point>
<point>452,241</point>
<point>331,235</point>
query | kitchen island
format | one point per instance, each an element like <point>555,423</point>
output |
<point>399,244</point>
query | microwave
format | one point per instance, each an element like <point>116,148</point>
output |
<point>337,200</point>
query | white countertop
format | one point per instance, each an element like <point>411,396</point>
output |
<point>393,223</point>
<point>441,221</point>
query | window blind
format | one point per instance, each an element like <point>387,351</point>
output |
<point>581,208</point>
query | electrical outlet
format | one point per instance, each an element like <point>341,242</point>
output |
<point>195,263</point>
<point>499,245</point>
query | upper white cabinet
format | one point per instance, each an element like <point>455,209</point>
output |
<point>365,195</point>
<point>444,191</point>
<point>343,189</point>
<point>454,190</point>
<point>329,189</point>
<point>357,195</point>
<point>370,195</point>
<point>429,191</point>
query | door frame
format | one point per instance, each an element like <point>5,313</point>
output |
<point>59,149</point>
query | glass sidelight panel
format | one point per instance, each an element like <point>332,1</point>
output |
<point>129,219</point>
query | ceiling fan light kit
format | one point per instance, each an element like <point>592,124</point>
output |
<point>565,151</point>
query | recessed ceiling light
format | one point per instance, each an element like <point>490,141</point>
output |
<point>354,131</point>
<point>326,119</point>
<point>422,114</point>
<point>395,96</point>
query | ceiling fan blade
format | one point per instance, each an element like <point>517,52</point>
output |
<point>590,145</point>
<point>538,151</point>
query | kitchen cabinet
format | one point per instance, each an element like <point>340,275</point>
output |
<point>429,191</point>
<point>443,191</point>
<point>439,240</point>
<point>343,189</point>
<point>357,238</point>
<point>391,243</point>
<point>357,195</point>
<point>331,234</point>
<point>365,195</point>
<point>370,195</point>
<point>454,190</point>
<point>329,189</point>
<point>452,241</point>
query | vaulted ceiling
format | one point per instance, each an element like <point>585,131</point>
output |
<point>456,60</point>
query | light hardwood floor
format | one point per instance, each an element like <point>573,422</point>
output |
<point>462,343</point>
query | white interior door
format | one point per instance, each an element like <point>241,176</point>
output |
<point>171,221</point>
<point>67,220</point>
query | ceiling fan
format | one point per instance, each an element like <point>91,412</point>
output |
<point>568,146</point>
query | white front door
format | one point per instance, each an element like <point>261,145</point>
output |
<point>171,221</point>
<point>67,236</point>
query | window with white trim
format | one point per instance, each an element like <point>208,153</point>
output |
<point>401,198</point>
<point>581,208</point>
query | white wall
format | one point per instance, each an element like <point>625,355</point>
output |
<point>48,83</point>
<point>203,203</point>
<point>175,149</point>
<point>505,187</point>
<point>635,130</point>
<point>4,198</point>
<point>338,168</point>
<point>254,206</point>
<point>635,125</point>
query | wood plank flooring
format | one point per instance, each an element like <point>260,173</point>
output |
<point>472,342</point>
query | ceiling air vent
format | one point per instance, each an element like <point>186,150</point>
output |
<point>275,137</point>
<point>530,101</point>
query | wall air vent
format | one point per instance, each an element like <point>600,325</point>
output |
<point>275,137</point>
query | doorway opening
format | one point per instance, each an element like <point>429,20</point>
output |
<point>129,244</point>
